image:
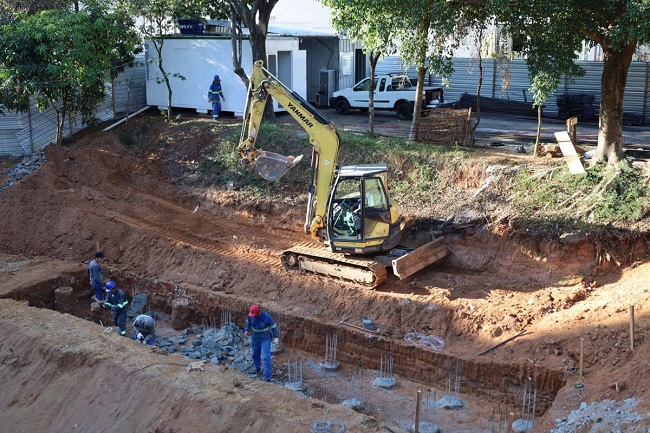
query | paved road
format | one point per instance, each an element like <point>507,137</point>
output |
<point>494,129</point>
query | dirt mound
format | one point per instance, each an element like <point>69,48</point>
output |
<point>61,374</point>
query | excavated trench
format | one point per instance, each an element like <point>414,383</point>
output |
<point>487,381</point>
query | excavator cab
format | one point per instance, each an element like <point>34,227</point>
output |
<point>360,216</point>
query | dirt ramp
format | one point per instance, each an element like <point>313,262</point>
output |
<point>62,374</point>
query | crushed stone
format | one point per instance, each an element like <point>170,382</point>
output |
<point>607,415</point>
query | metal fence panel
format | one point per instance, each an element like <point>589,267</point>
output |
<point>22,133</point>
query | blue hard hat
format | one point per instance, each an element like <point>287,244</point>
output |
<point>216,78</point>
<point>110,286</point>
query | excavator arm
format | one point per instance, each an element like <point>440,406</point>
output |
<point>322,136</point>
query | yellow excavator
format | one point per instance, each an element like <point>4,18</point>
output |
<point>348,207</point>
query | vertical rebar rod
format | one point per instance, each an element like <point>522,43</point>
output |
<point>582,352</point>
<point>457,381</point>
<point>434,406</point>
<point>330,348</point>
<point>632,328</point>
<point>417,411</point>
<point>327,348</point>
<point>534,404</point>
<point>289,371</point>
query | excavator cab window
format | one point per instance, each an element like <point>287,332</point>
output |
<point>347,208</point>
<point>359,206</point>
<point>376,209</point>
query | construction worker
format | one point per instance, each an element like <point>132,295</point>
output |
<point>145,328</point>
<point>262,326</point>
<point>96,278</point>
<point>116,301</point>
<point>215,95</point>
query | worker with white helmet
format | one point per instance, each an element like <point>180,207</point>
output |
<point>145,328</point>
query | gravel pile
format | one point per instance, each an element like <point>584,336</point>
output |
<point>607,415</point>
<point>226,345</point>
<point>27,166</point>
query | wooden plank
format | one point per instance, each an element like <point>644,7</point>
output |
<point>419,258</point>
<point>570,155</point>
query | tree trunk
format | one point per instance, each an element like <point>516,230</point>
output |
<point>374,58</point>
<point>256,15</point>
<point>616,65</point>
<point>236,47</point>
<point>159,48</point>
<point>423,31</point>
<point>537,151</point>
<point>417,109</point>
<point>479,86</point>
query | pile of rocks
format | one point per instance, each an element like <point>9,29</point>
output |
<point>607,415</point>
<point>27,166</point>
<point>226,345</point>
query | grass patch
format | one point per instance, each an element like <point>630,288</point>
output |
<point>602,195</point>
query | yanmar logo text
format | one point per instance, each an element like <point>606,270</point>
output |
<point>301,116</point>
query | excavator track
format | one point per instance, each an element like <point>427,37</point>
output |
<point>322,261</point>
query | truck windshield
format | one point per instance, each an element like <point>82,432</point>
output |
<point>362,85</point>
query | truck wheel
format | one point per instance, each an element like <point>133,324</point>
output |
<point>404,111</point>
<point>342,106</point>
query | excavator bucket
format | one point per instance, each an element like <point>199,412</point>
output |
<point>272,166</point>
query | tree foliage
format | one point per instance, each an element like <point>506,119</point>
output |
<point>62,59</point>
<point>31,7</point>
<point>555,30</point>
<point>374,30</point>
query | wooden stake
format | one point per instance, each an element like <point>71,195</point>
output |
<point>632,328</point>
<point>582,355</point>
<point>378,419</point>
<point>417,412</point>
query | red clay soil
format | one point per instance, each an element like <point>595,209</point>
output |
<point>92,195</point>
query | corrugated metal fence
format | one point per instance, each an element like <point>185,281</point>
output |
<point>516,84</point>
<point>23,133</point>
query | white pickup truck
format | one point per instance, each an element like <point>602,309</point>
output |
<point>392,92</point>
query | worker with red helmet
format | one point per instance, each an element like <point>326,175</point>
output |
<point>263,327</point>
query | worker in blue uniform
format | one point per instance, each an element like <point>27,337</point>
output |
<point>116,302</point>
<point>215,95</point>
<point>262,327</point>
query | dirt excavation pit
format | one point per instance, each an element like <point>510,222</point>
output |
<point>203,254</point>
<point>353,363</point>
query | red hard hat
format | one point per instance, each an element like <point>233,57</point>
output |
<point>254,311</point>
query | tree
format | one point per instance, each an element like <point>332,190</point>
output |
<point>555,30</point>
<point>438,28</point>
<point>158,18</point>
<point>374,31</point>
<point>62,59</point>
<point>255,15</point>
<point>31,7</point>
